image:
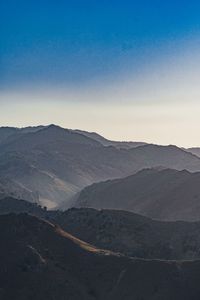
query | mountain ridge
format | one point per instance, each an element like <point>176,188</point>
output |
<point>77,272</point>
<point>56,163</point>
<point>118,231</point>
<point>160,194</point>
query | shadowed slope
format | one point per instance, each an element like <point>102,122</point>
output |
<point>40,262</point>
<point>120,231</point>
<point>132,234</point>
<point>158,193</point>
<point>195,151</point>
<point>56,163</point>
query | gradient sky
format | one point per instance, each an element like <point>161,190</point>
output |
<point>127,69</point>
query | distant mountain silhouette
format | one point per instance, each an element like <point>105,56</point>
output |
<point>195,151</point>
<point>41,261</point>
<point>9,133</point>
<point>161,194</point>
<point>106,142</point>
<point>53,164</point>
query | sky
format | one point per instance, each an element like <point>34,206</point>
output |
<point>129,70</point>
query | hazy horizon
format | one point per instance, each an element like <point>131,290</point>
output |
<point>92,131</point>
<point>129,71</point>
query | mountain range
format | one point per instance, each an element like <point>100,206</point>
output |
<point>194,150</point>
<point>42,260</point>
<point>119,231</point>
<point>50,165</point>
<point>163,194</point>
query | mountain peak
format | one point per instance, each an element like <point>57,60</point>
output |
<point>55,127</point>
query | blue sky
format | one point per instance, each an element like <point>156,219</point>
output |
<point>74,41</point>
<point>116,56</point>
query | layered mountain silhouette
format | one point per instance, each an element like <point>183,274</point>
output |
<point>11,205</point>
<point>163,194</point>
<point>106,142</point>
<point>11,133</point>
<point>120,231</point>
<point>50,165</point>
<point>14,188</point>
<point>132,234</point>
<point>195,151</point>
<point>39,260</point>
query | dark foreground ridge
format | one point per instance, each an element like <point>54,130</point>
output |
<point>38,261</point>
<point>120,231</point>
<point>132,234</point>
